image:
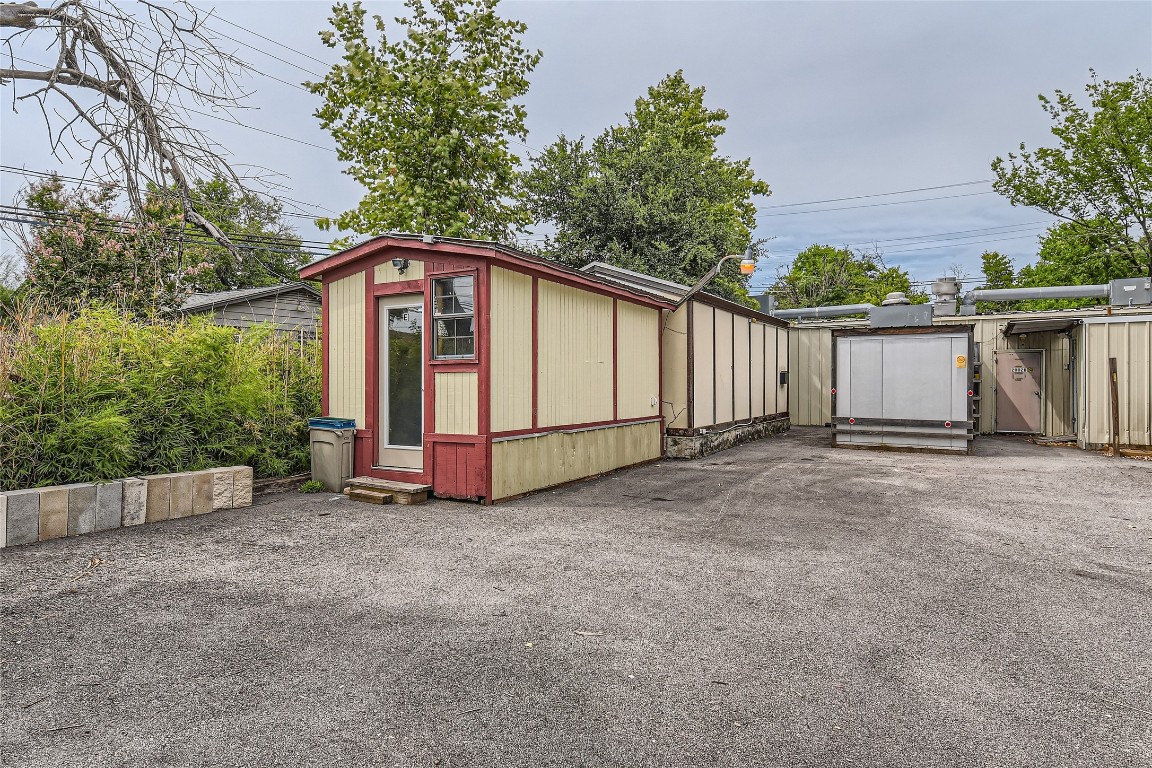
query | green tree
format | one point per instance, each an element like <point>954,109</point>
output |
<point>425,121</point>
<point>999,272</point>
<point>822,275</point>
<point>1100,175</point>
<point>270,251</point>
<point>652,195</point>
<point>1075,254</point>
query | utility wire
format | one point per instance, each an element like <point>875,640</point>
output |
<point>881,194</point>
<point>875,205</point>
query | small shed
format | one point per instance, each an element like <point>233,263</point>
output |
<point>292,308</point>
<point>724,370</point>
<point>486,372</point>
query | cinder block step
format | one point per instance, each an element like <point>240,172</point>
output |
<point>371,497</point>
<point>402,493</point>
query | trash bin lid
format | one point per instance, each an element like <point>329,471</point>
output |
<point>331,422</point>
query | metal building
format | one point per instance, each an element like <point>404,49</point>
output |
<point>724,370</point>
<point>485,372</point>
<point>1067,351</point>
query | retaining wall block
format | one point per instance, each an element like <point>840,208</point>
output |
<point>203,485</point>
<point>53,513</point>
<point>182,486</point>
<point>109,505</point>
<point>81,508</point>
<point>159,495</point>
<point>135,506</point>
<point>222,486</point>
<point>242,491</point>
<point>23,512</point>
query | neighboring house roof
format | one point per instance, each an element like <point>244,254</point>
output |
<point>666,289</point>
<point>203,302</point>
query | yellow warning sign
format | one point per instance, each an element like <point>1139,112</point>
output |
<point>961,361</point>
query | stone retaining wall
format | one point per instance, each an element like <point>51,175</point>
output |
<point>39,514</point>
<point>697,446</point>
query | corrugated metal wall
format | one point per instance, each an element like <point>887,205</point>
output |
<point>456,403</point>
<point>520,465</point>
<point>811,371</point>
<point>638,356</point>
<point>574,356</point>
<point>1130,343</point>
<point>511,350</point>
<point>346,351</point>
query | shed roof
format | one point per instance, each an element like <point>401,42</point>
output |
<point>202,302</point>
<point>672,291</point>
<point>479,249</point>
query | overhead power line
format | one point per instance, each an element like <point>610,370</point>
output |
<point>881,194</point>
<point>873,205</point>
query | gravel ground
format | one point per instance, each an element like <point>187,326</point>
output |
<point>777,604</point>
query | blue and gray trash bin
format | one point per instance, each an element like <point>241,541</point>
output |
<point>332,447</point>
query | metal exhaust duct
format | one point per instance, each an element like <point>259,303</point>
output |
<point>1044,292</point>
<point>818,312</point>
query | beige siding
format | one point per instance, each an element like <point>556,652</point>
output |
<point>724,357</point>
<point>521,465</point>
<point>1131,344</point>
<point>780,349</point>
<point>456,398</point>
<point>761,376</point>
<point>741,369</point>
<point>511,350</point>
<point>704,370</point>
<point>638,371</point>
<point>575,355</point>
<point>810,373</point>
<point>675,367</point>
<point>386,273</point>
<point>346,351</point>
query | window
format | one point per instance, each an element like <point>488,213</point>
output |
<point>453,317</point>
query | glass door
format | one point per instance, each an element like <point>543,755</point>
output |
<point>401,358</point>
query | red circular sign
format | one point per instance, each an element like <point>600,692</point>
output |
<point>969,393</point>
<point>851,421</point>
<point>947,423</point>
<point>833,390</point>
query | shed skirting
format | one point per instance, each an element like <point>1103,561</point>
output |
<point>694,446</point>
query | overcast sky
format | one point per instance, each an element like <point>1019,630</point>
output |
<point>829,100</point>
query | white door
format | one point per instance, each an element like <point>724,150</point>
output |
<point>401,405</point>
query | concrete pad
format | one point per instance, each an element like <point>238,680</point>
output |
<point>81,509</point>
<point>135,501</point>
<point>53,513</point>
<point>203,484</point>
<point>182,485</point>
<point>159,495</point>
<point>222,487</point>
<point>109,505</point>
<point>23,517</point>
<point>242,490</point>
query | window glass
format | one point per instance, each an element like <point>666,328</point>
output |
<point>453,313</point>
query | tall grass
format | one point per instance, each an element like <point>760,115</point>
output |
<point>98,395</point>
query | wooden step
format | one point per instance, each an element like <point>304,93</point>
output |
<point>371,497</point>
<point>402,493</point>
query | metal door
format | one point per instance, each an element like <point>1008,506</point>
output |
<point>1020,391</point>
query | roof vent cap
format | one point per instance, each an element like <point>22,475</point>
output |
<point>896,297</point>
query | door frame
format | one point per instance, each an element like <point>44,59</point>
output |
<point>1043,393</point>
<point>415,300</point>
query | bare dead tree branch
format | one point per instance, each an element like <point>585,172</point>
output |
<point>127,80</point>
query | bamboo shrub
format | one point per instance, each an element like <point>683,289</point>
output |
<point>99,395</point>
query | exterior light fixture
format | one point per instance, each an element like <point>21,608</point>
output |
<point>747,267</point>
<point>400,265</point>
<point>748,263</point>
